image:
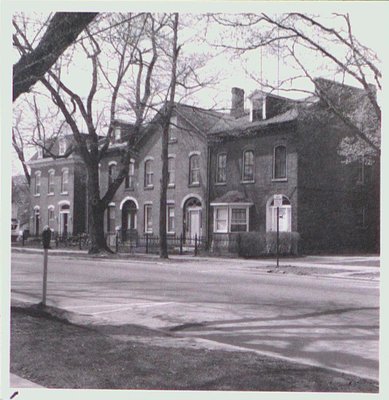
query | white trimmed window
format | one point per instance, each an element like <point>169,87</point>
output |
<point>221,168</point>
<point>149,174</point>
<point>65,181</point>
<point>50,182</point>
<point>194,169</point>
<point>130,178</point>
<point>117,133</point>
<point>361,170</point>
<point>148,218</point>
<point>172,134</point>
<point>40,152</point>
<point>171,173</point>
<point>62,147</point>
<point>239,220</point>
<point>248,166</point>
<point>37,187</point>
<point>232,217</point>
<point>170,226</point>
<point>221,219</point>
<point>50,213</point>
<point>111,217</point>
<point>279,162</point>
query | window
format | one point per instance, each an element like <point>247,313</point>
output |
<point>50,182</point>
<point>284,216</point>
<point>149,173</point>
<point>172,135</point>
<point>37,189</point>
<point>40,152</point>
<point>279,163</point>
<point>130,178</point>
<point>221,170</point>
<point>248,166</point>
<point>239,220</point>
<point>148,218</point>
<point>170,218</point>
<point>62,147</point>
<point>171,173</point>
<point>111,218</point>
<point>50,213</point>
<point>221,219</point>
<point>111,172</point>
<point>65,181</point>
<point>117,133</point>
<point>194,169</point>
<point>231,217</point>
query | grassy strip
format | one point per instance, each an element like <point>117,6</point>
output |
<point>58,354</point>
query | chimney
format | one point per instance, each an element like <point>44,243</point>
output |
<point>237,102</point>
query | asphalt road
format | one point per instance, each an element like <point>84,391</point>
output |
<point>326,321</point>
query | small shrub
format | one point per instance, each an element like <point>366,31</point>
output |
<point>254,244</point>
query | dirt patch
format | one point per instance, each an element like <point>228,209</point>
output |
<point>57,354</point>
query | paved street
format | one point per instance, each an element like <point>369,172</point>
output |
<point>330,321</point>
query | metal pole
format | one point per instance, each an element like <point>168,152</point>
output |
<point>117,242</point>
<point>181,241</point>
<point>195,251</point>
<point>278,234</point>
<point>147,243</point>
<point>45,257</point>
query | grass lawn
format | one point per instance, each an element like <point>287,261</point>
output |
<point>57,354</point>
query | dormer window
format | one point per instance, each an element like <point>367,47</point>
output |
<point>258,108</point>
<point>40,152</point>
<point>117,133</point>
<point>62,147</point>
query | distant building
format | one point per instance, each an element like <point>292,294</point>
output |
<point>224,170</point>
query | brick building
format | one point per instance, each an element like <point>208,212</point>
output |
<point>224,170</point>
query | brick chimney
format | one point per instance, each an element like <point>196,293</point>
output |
<point>237,102</point>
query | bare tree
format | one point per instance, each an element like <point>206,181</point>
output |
<point>297,39</point>
<point>62,30</point>
<point>136,44</point>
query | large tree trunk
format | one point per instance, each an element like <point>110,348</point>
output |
<point>96,210</point>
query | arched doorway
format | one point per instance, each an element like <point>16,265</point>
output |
<point>129,219</point>
<point>64,212</point>
<point>36,220</point>
<point>285,215</point>
<point>192,222</point>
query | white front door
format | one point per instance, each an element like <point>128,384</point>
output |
<point>194,219</point>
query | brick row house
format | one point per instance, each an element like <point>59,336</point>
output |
<point>224,170</point>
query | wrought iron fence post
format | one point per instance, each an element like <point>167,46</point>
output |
<point>181,242</point>
<point>195,251</point>
<point>56,242</point>
<point>147,243</point>
<point>117,242</point>
<point>79,241</point>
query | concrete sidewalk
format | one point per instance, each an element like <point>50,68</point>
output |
<point>17,382</point>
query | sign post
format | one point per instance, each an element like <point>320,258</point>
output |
<point>46,237</point>
<point>278,204</point>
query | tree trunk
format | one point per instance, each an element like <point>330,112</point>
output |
<point>163,253</point>
<point>96,210</point>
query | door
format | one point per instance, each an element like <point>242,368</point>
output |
<point>64,223</point>
<point>194,219</point>
<point>37,223</point>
